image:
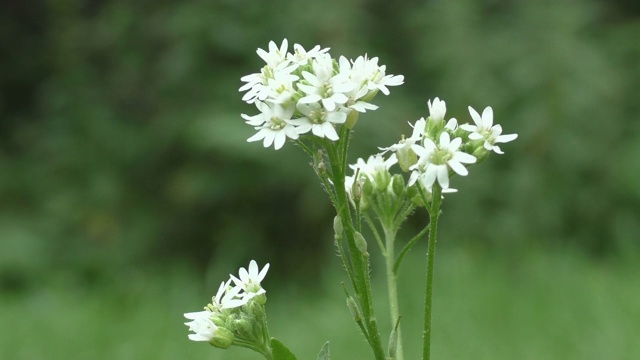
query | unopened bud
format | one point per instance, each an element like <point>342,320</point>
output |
<point>406,158</point>
<point>337,226</point>
<point>352,119</point>
<point>361,243</point>
<point>222,338</point>
<point>353,309</point>
<point>397,185</point>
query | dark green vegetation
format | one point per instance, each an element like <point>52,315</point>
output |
<point>122,152</point>
<point>521,306</point>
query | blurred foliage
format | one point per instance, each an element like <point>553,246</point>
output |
<point>121,142</point>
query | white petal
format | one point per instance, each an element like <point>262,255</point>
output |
<point>329,104</point>
<point>337,117</point>
<point>329,131</point>
<point>279,138</point>
<point>316,129</point>
<point>476,117</point>
<point>506,138</point>
<point>443,175</point>
<point>464,157</point>
<point>263,273</point>
<point>458,167</point>
<point>487,117</point>
<point>268,140</point>
<point>259,135</point>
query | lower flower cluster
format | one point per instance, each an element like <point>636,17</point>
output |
<point>236,314</point>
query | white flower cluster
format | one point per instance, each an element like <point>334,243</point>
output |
<point>436,149</point>
<point>308,91</point>
<point>228,297</point>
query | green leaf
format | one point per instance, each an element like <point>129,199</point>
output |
<point>324,352</point>
<point>281,352</point>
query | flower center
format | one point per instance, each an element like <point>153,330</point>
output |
<point>440,157</point>
<point>277,123</point>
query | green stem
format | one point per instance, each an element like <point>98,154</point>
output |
<point>392,284</point>
<point>359,260</point>
<point>434,212</point>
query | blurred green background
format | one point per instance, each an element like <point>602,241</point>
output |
<point>128,191</point>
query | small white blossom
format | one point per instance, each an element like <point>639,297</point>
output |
<point>435,160</point>
<point>201,325</point>
<point>437,109</point>
<point>374,164</point>
<point>485,130</point>
<point>226,297</point>
<point>273,124</point>
<point>300,56</point>
<point>249,281</point>
<point>319,121</point>
<point>405,144</point>
<point>275,56</point>
<point>324,86</point>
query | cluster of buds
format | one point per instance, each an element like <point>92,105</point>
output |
<point>310,92</point>
<point>436,150</point>
<point>236,314</point>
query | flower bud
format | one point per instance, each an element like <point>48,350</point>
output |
<point>244,328</point>
<point>337,226</point>
<point>222,338</point>
<point>353,309</point>
<point>361,243</point>
<point>381,180</point>
<point>406,158</point>
<point>352,119</point>
<point>397,185</point>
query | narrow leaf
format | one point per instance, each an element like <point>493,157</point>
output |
<point>324,352</point>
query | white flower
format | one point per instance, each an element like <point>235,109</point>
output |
<point>373,165</point>
<point>377,77</point>
<point>485,130</point>
<point>405,144</point>
<point>437,109</point>
<point>276,55</point>
<point>324,86</point>
<point>360,90</point>
<point>249,281</point>
<point>260,85</point>
<point>201,325</point>
<point>435,161</point>
<point>273,124</point>
<point>318,120</point>
<point>300,56</point>
<point>227,297</point>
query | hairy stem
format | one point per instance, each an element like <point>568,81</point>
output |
<point>431,252</point>
<point>392,284</point>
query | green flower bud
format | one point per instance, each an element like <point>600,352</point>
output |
<point>381,180</point>
<point>480,153</point>
<point>393,341</point>
<point>406,158</point>
<point>337,226</point>
<point>398,186</point>
<point>352,119</point>
<point>222,338</point>
<point>244,328</point>
<point>361,243</point>
<point>354,309</point>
